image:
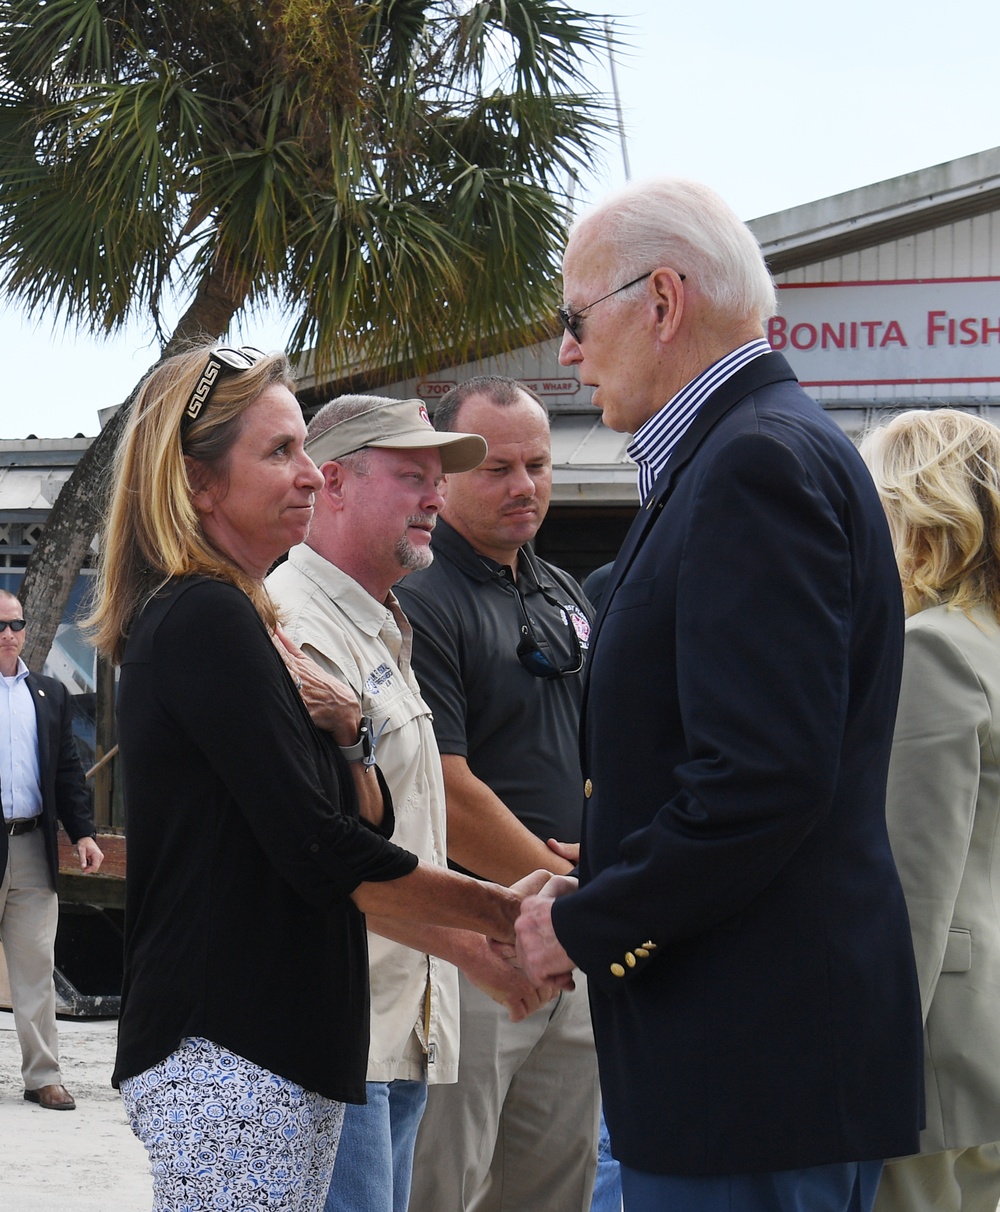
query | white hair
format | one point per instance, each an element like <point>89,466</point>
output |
<point>688,227</point>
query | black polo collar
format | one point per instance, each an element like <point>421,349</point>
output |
<point>447,542</point>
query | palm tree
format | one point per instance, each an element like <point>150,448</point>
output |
<point>391,173</point>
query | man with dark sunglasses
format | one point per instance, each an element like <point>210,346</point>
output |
<point>738,913</point>
<point>41,783</point>
<point>500,640</point>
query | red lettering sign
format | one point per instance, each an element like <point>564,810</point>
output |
<point>433,389</point>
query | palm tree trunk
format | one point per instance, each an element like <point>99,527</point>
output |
<point>60,552</point>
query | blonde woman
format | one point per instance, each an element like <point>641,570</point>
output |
<point>244,1019</point>
<point>937,474</point>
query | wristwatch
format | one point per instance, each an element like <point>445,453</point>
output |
<point>363,749</point>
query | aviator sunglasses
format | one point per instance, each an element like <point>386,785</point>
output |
<point>571,320</point>
<point>221,361</point>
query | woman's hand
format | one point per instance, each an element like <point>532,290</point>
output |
<point>331,704</point>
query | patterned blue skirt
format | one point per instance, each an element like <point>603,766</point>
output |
<point>224,1135</point>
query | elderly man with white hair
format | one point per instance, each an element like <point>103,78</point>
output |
<point>738,916</point>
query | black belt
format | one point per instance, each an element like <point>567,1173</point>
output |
<point>16,828</point>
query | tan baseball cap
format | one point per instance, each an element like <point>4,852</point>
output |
<point>397,425</point>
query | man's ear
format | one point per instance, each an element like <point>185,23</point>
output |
<point>668,299</point>
<point>334,483</point>
<point>203,493</point>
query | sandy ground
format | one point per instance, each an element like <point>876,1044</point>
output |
<point>85,1160</point>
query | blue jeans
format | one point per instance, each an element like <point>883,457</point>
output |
<point>608,1183</point>
<point>375,1159</point>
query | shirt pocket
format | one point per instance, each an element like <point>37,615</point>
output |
<point>389,701</point>
<point>958,951</point>
<point>632,594</point>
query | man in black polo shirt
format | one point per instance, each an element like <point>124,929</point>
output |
<point>500,638</point>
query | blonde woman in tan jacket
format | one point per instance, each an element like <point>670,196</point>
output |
<point>937,474</point>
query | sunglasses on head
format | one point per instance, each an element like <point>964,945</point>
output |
<point>221,361</point>
<point>13,624</point>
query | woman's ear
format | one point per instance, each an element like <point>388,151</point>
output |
<point>203,495</point>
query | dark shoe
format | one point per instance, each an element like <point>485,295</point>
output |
<point>52,1098</point>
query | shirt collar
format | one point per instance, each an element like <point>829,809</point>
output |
<point>655,440</point>
<point>20,673</point>
<point>347,595</point>
<point>447,542</point>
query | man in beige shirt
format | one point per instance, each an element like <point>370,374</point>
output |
<point>383,465</point>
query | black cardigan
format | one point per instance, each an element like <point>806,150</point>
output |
<point>243,845</point>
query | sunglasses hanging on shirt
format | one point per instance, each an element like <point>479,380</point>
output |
<point>531,653</point>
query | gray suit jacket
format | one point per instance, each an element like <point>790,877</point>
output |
<point>943,812</point>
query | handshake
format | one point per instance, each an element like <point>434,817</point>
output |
<point>530,961</point>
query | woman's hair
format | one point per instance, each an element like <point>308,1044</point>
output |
<point>152,530</point>
<point>937,474</point>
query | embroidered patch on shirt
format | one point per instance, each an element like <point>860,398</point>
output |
<point>379,677</point>
<point>581,624</point>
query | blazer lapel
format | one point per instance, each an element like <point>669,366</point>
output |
<point>769,368</point>
<point>42,718</point>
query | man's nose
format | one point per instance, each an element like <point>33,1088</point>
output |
<point>520,483</point>
<point>569,350</point>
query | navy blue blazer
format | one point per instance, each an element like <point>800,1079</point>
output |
<point>739,919</point>
<point>64,792</point>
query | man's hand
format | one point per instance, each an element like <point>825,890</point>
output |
<point>570,851</point>
<point>527,885</point>
<point>532,883</point>
<point>539,952</point>
<point>505,984</point>
<point>90,854</point>
<point>332,705</point>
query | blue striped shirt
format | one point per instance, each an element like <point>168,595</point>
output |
<point>20,778</point>
<point>654,440</point>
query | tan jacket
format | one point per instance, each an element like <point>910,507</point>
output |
<point>943,812</point>
<point>414,997</point>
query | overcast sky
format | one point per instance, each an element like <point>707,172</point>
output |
<point>771,106</point>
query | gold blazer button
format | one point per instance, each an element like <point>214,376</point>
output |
<point>617,970</point>
<point>588,789</point>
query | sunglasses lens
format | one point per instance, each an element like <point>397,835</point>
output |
<point>567,321</point>
<point>536,664</point>
<point>239,359</point>
<point>534,660</point>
